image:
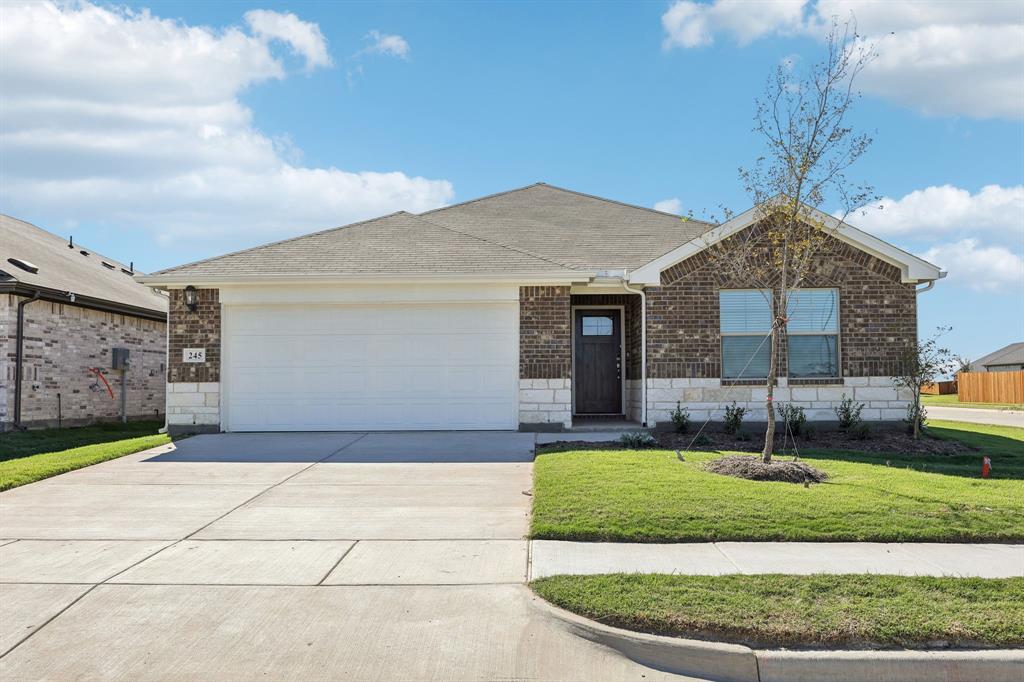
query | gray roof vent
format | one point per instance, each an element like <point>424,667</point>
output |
<point>107,265</point>
<point>23,264</point>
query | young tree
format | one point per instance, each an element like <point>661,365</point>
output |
<point>802,119</point>
<point>920,365</point>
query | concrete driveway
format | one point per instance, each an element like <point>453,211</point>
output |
<point>286,556</point>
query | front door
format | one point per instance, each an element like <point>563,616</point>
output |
<point>597,378</point>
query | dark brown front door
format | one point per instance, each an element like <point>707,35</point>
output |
<point>598,376</point>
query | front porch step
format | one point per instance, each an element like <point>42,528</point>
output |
<point>617,426</point>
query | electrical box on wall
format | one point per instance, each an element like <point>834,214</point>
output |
<point>119,358</point>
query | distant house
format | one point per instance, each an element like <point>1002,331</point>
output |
<point>63,310</point>
<point>1007,359</point>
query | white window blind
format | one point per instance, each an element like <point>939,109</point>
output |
<point>745,322</point>
<point>813,333</point>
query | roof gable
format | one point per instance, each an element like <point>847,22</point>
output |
<point>912,268</point>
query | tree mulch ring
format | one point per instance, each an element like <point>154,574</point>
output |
<point>881,439</point>
<point>754,469</point>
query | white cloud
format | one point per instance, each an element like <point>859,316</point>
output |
<point>990,269</point>
<point>996,211</point>
<point>386,44</point>
<point>694,24</point>
<point>940,57</point>
<point>122,117</point>
<point>304,37</point>
<point>669,206</point>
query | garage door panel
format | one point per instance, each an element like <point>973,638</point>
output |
<point>391,367</point>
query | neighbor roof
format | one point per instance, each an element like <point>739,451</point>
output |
<point>1012,354</point>
<point>535,230</point>
<point>63,269</point>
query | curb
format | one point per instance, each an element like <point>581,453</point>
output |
<point>737,663</point>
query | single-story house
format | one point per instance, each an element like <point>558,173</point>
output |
<point>535,309</point>
<point>64,309</point>
<point>1007,359</point>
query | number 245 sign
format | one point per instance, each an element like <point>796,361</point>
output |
<point>193,355</point>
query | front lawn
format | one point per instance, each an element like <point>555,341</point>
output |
<point>29,456</point>
<point>835,611</point>
<point>953,400</point>
<point>650,496</point>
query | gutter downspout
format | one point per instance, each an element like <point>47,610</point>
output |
<point>19,355</point>
<point>931,283</point>
<point>643,348</point>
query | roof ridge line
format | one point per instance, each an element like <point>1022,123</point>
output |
<point>626,204</point>
<point>486,196</point>
<point>507,247</point>
<point>280,241</point>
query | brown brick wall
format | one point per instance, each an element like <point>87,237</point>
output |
<point>199,329</point>
<point>62,343</point>
<point>545,333</point>
<point>632,319</point>
<point>878,315</point>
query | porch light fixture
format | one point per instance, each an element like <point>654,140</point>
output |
<point>190,298</point>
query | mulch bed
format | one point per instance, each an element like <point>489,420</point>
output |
<point>753,469</point>
<point>882,439</point>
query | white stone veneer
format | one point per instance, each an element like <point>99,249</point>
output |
<point>192,403</point>
<point>707,398</point>
<point>634,401</point>
<point>545,401</point>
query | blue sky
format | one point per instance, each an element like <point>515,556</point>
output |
<point>191,129</point>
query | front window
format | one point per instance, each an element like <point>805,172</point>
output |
<point>812,330</point>
<point>745,323</point>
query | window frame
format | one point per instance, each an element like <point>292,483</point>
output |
<point>838,334</point>
<point>770,298</point>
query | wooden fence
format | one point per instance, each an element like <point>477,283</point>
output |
<point>939,388</point>
<point>991,387</point>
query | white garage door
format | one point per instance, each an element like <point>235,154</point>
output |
<point>364,367</point>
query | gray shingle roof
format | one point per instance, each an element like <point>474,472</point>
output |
<point>580,230</point>
<point>1013,354</point>
<point>537,229</point>
<point>67,269</point>
<point>397,244</point>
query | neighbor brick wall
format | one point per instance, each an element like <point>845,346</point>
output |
<point>62,342</point>
<point>878,315</point>
<point>545,333</point>
<point>198,329</point>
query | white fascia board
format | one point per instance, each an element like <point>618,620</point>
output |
<point>179,281</point>
<point>913,269</point>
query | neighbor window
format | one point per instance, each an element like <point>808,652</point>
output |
<point>812,330</point>
<point>746,321</point>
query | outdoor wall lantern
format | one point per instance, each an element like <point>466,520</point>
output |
<point>190,298</point>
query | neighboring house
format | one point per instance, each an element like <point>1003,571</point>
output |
<point>63,309</point>
<point>1007,359</point>
<point>528,309</point>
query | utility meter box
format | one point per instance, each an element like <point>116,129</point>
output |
<point>119,358</point>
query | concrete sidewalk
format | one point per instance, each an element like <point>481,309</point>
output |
<point>977,415</point>
<point>555,557</point>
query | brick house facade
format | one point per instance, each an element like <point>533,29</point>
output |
<point>517,326</point>
<point>77,307</point>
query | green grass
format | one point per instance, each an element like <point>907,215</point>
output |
<point>848,611</point>
<point>30,456</point>
<point>650,496</point>
<point>952,400</point>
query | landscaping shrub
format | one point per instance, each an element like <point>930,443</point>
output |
<point>848,413</point>
<point>794,417</point>
<point>859,431</point>
<point>681,418</point>
<point>637,439</point>
<point>733,418</point>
